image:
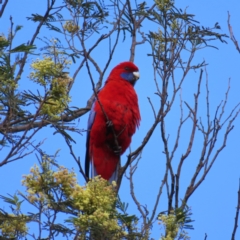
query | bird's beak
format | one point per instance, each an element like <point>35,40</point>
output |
<point>136,75</point>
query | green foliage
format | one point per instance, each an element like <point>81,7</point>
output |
<point>91,208</point>
<point>3,42</point>
<point>129,221</point>
<point>50,74</point>
<point>98,216</point>
<point>164,5</point>
<point>175,223</point>
<point>47,20</point>
<point>6,70</point>
<point>178,31</point>
<point>15,224</point>
<point>12,226</point>
<point>9,100</point>
<point>23,48</point>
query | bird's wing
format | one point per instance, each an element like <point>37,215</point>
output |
<point>89,126</point>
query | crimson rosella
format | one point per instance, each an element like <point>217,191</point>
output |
<point>120,103</point>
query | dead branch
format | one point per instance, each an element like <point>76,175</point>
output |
<point>237,214</point>
<point>177,176</point>
<point>132,169</point>
<point>43,122</point>
<point>232,37</point>
<point>77,160</point>
<point>41,23</point>
<point>24,140</point>
<point>85,52</point>
<point>194,121</point>
<point>151,104</point>
<point>3,7</point>
<point>210,136</point>
<point>132,156</point>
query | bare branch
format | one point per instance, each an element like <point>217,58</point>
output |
<point>154,113</point>
<point>77,160</point>
<point>208,157</point>
<point>132,156</point>
<point>41,23</point>
<point>237,214</point>
<point>231,34</point>
<point>3,7</point>
<point>24,140</point>
<point>133,168</point>
<point>194,120</point>
<point>43,122</point>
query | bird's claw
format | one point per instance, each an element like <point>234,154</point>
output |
<point>117,150</point>
<point>109,123</point>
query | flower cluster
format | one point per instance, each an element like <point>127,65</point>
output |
<point>13,226</point>
<point>96,203</point>
<point>164,5</point>
<point>36,183</point>
<point>51,75</point>
<point>44,70</point>
<point>170,224</point>
<point>71,27</point>
<point>3,42</point>
<point>58,98</point>
<point>65,180</point>
<point>40,184</point>
<point>173,225</point>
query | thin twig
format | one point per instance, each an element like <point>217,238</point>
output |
<point>41,23</point>
<point>24,139</point>
<point>154,112</point>
<point>237,214</point>
<point>133,155</point>
<point>133,168</point>
<point>77,160</point>
<point>66,117</point>
<point>232,37</point>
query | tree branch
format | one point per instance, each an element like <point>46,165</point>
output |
<point>237,214</point>
<point>232,37</point>
<point>3,7</point>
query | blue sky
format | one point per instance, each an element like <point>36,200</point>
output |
<point>214,202</point>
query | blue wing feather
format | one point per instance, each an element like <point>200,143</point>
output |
<point>91,118</point>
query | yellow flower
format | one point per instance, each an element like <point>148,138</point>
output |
<point>71,27</point>
<point>10,227</point>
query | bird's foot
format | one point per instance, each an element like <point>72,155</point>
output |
<point>109,124</point>
<point>117,150</point>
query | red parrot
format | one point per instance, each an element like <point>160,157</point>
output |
<point>120,103</point>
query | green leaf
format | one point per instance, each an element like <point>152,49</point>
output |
<point>53,28</point>
<point>35,18</point>
<point>13,200</point>
<point>18,27</point>
<point>23,48</point>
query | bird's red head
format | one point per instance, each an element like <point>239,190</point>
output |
<point>127,71</point>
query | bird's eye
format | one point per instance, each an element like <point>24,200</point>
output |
<point>127,68</point>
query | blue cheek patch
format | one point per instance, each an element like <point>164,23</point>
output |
<point>129,77</point>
